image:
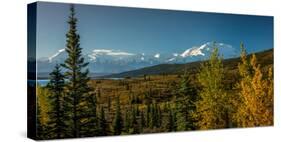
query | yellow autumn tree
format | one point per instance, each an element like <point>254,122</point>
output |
<point>42,110</point>
<point>43,104</point>
<point>212,106</point>
<point>255,98</point>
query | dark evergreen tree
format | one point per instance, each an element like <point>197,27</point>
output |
<point>133,115</point>
<point>166,108</point>
<point>147,115</point>
<point>56,125</point>
<point>117,123</point>
<point>159,116</point>
<point>80,99</point>
<point>40,128</point>
<point>134,122</point>
<point>171,121</point>
<point>127,121</point>
<point>154,115</point>
<point>88,116</point>
<point>151,120</point>
<point>142,121</point>
<point>108,104</point>
<point>137,110</point>
<point>185,104</point>
<point>180,118</point>
<point>102,123</point>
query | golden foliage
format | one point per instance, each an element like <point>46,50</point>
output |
<point>255,105</point>
<point>43,104</point>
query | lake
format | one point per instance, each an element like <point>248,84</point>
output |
<point>44,82</point>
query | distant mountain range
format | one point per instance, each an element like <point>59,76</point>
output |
<point>104,61</point>
<point>265,58</point>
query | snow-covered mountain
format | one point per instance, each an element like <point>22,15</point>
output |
<point>60,53</point>
<point>114,61</point>
<point>104,54</point>
<point>205,49</point>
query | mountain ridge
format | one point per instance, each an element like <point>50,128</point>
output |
<point>264,57</point>
<point>116,61</point>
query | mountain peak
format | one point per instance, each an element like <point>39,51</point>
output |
<point>157,55</point>
<point>205,49</point>
<point>56,54</point>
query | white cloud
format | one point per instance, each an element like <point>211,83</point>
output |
<point>111,52</point>
<point>107,52</point>
<point>157,55</point>
<point>102,51</point>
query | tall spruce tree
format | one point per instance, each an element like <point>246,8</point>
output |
<point>88,116</point>
<point>180,117</point>
<point>117,122</point>
<point>171,120</point>
<point>147,115</point>
<point>127,121</point>
<point>57,125</point>
<point>186,99</point>
<point>142,121</point>
<point>134,122</point>
<point>152,115</point>
<point>79,98</point>
<point>108,103</point>
<point>159,116</point>
<point>167,122</point>
<point>102,123</point>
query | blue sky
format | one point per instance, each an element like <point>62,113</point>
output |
<point>148,31</point>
